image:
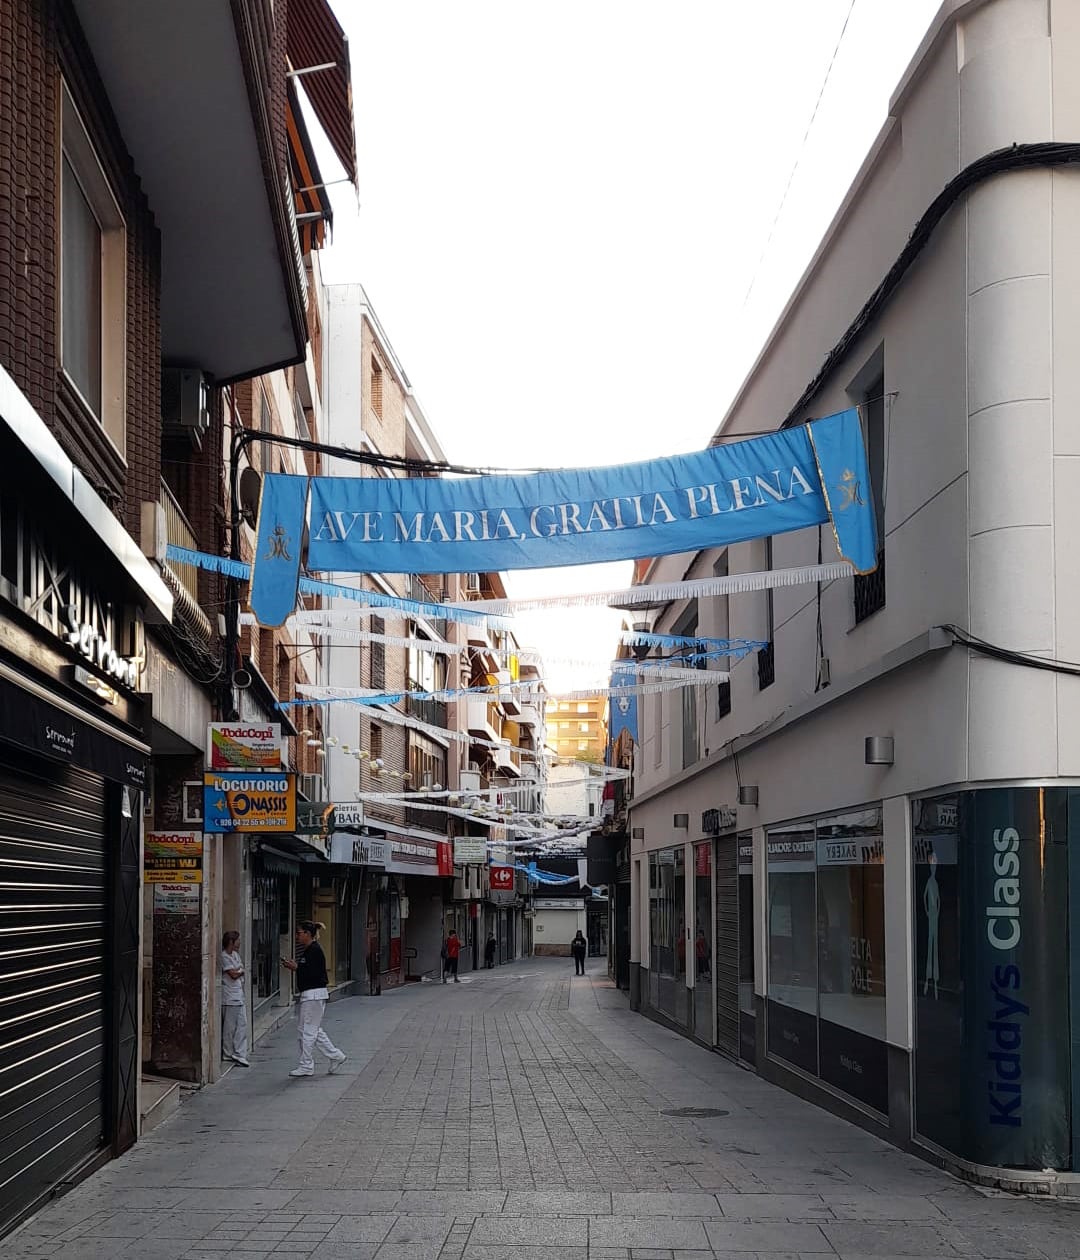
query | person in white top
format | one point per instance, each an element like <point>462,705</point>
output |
<point>234,1037</point>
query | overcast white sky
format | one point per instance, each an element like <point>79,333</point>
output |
<point>564,206</point>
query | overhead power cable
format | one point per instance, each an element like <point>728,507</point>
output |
<point>798,155</point>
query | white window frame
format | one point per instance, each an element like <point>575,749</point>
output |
<point>78,149</point>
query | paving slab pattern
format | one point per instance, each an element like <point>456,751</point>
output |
<point>520,1116</point>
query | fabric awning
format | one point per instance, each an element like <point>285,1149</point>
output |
<point>315,38</point>
<point>310,200</point>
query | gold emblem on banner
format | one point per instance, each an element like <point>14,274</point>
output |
<point>849,490</point>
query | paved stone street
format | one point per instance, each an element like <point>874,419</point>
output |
<point>521,1115</point>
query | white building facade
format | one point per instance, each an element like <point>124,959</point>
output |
<point>885,927</point>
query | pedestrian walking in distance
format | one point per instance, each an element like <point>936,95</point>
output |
<point>234,1036</point>
<point>453,949</point>
<point>312,982</point>
<point>579,947</point>
<point>489,951</point>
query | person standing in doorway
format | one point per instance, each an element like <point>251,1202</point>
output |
<point>313,985</point>
<point>579,947</point>
<point>490,945</point>
<point>234,1038</point>
<point>453,951</point>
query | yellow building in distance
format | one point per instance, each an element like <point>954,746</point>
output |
<point>578,728</point>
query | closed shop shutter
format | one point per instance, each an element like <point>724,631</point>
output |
<point>53,913</point>
<point>727,945</point>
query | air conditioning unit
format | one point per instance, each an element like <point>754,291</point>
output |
<point>472,583</point>
<point>193,801</point>
<point>310,787</point>
<point>185,403</point>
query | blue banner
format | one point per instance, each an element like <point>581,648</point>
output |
<point>276,571</point>
<point>845,480</point>
<point>784,481</point>
<point>622,709</point>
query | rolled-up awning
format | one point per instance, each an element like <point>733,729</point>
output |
<point>315,38</point>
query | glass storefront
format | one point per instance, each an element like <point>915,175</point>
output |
<point>995,989</point>
<point>667,933</point>
<point>826,916</point>
<point>703,941</point>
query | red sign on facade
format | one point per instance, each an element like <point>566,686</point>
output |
<point>502,878</point>
<point>702,859</point>
<point>446,857</point>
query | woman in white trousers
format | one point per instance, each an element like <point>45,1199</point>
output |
<point>313,985</point>
<point>234,1037</point>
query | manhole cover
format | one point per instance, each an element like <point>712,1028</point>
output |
<point>695,1113</point>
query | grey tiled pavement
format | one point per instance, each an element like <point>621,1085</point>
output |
<point>519,1117</point>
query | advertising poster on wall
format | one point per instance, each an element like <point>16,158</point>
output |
<point>172,857</point>
<point>244,746</point>
<point>259,801</point>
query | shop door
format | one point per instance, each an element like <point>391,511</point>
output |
<point>727,945</point>
<point>53,1016</point>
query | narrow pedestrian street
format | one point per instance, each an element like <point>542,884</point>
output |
<point>521,1115</point>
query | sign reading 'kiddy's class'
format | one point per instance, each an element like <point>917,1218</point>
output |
<point>249,802</point>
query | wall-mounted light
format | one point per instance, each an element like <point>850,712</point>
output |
<point>681,821</point>
<point>637,833</point>
<point>879,750</point>
<point>748,794</point>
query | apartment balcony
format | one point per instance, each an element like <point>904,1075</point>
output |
<point>482,719</point>
<point>205,148</point>
<point>433,712</point>
<point>529,715</point>
<point>507,761</point>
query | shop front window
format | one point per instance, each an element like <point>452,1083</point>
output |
<point>792,918</point>
<point>667,932</point>
<point>851,955</point>
<point>827,951</point>
<point>266,912</point>
<point>995,874</point>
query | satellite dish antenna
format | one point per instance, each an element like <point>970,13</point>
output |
<point>249,494</point>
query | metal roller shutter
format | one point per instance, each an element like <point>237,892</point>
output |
<point>727,945</point>
<point>53,908</point>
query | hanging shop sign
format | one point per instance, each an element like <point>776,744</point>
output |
<point>445,857</point>
<point>349,815</point>
<point>501,878</point>
<point>244,746</point>
<point>260,801</point>
<point>469,850</point>
<point>176,899</point>
<point>807,475</point>
<point>172,857</point>
<point>315,818</point>
<point>349,850</point>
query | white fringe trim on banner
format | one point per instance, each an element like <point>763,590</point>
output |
<point>603,773</point>
<point>524,692</point>
<point>666,593</point>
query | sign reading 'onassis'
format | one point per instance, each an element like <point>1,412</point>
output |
<point>260,801</point>
<point>784,481</point>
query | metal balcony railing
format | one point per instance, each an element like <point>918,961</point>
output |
<point>766,666</point>
<point>870,590</point>
<point>178,533</point>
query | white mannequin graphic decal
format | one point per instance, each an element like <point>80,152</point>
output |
<point>932,906</point>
